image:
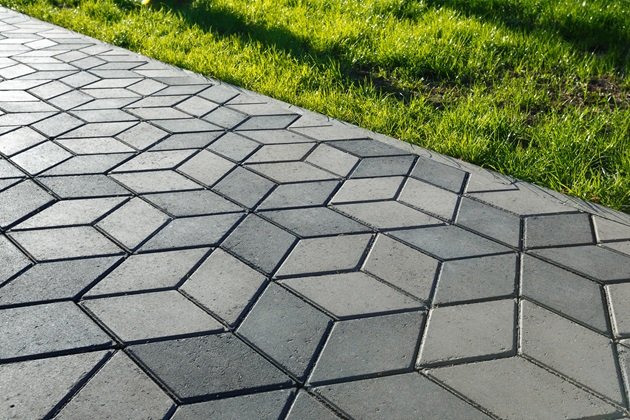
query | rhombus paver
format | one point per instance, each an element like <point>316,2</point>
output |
<point>247,258</point>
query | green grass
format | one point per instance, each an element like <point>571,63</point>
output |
<point>537,89</point>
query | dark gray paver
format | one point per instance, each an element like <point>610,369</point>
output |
<point>328,254</point>
<point>156,270</point>
<point>429,198</point>
<point>28,330</point>
<point>132,223</point>
<point>224,285</point>
<point>283,172</point>
<point>208,366</point>
<point>155,181</point>
<point>541,394</point>
<point>119,390</point>
<point>369,346</point>
<point>315,221</point>
<point>548,338</point>
<point>367,147</point>
<point>406,396</point>
<point>82,146</point>
<point>233,146</point>
<point>469,331</point>
<point>285,328</point>
<point>187,141</point>
<point>70,242</point>
<point>299,195</point>
<point>351,294</point>
<point>34,388</point>
<point>192,203</point>
<point>593,261</point>
<point>563,291</point>
<point>192,232</point>
<point>142,135</point>
<point>55,280</point>
<point>402,266</point>
<point>151,315</point>
<point>489,221</point>
<point>20,200</point>
<point>619,300</point>
<point>259,406</point>
<point>13,260</point>
<point>244,187</point>
<point>558,229</point>
<point>608,230</point>
<point>477,278</point>
<point>280,153</point>
<point>368,189</point>
<point>146,161</point>
<point>206,167</point>
<point>449,242</point>
<point>260,243</point>
<point>307,407</point>
<point>387,214</point>
<point>88,164</point>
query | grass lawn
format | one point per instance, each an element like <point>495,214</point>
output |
<point>537,89</point>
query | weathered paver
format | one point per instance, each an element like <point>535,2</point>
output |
<point>175,247</point>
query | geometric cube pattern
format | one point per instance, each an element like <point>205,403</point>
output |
<point>175,247</point>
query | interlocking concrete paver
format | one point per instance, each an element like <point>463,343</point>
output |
<point>159,204</point>
<point>28,330</point>
<point>259,406</point>
<point>151,315</point>
<point>469,331</point>
<point>209,366</point>
<point>34,388</point>
<point>548,338</point>
<point>351,294</point>
<point>307,407</point>
<point>514,388</point>
<point>119,390</point>
<point>285,328</point>
<point>328,254</point>
<point>406,396</point>
<point>55,280</point>
<point>367,346</point>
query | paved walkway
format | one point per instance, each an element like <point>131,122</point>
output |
<point>173,247</point>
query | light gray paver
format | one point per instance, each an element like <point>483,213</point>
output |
<point>286,328</point>
<point>119,390</point>
<point>259,406</point>
<point>28,330</point>
<point>151,315</point>
<point>541,394</point>
<point>224,285</point>
<point>33,388</point>
<point>319,245</point>
<point>407,396</point>
<point>469,331</point>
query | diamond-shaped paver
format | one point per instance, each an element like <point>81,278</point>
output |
<point>367,148</point>
<point>224,285</point>
<point>383,166</point>
<point>260,243</point>
<point>276,136</point>
<point>87,164</point>
<point>283,172</point>
<point>387,214</point>
<point>152,161</point>
<point>369,346</point>
<point>94,145</point>
<point>55,280</point>
<point>429,198</point>
<point>28,330</point>
<point>402,266</point>
<point>155,181</point>
<point>34,388</point>
<point>157,270</point>
<point>619,298</point>
<point>548,338</point>
<point>469,331</point>
<point>556,230</point>
<point>541,394</point>
<point>264,406</point>
<point>608,230</point>
<point>286,328</point>
<point>40,157</point>
<point>234,146</point>
<point>280,153</point>
<point>80,186</point>
<point>477,278</point>
<point>70,242</point>
<point>563,291</point>
<point>328,254</point>
<point>71,212</point>
<point>351,294</point>
<point>57,125</point>
<point>206,167</point>
<point>306,405</point>
<point>192,203</point>
<point>132,223</point>
<point>316,221</point>
<point>187,141</point>
<point>368,189</point>
<point>594,261</point>
<point>406,396</point>
<point>119,389</point>
<point>299,195</point>
<point>151,315</point>
<point>332,159</point>
<point>209,366</point>
<point>17,140</point>
<point>13,260</point>
<point>21,200</point>
<point>244,187</point>
<point>489,221</point>
<point>142,135</point>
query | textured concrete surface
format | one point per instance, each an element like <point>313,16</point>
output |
<point>175,247</point>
